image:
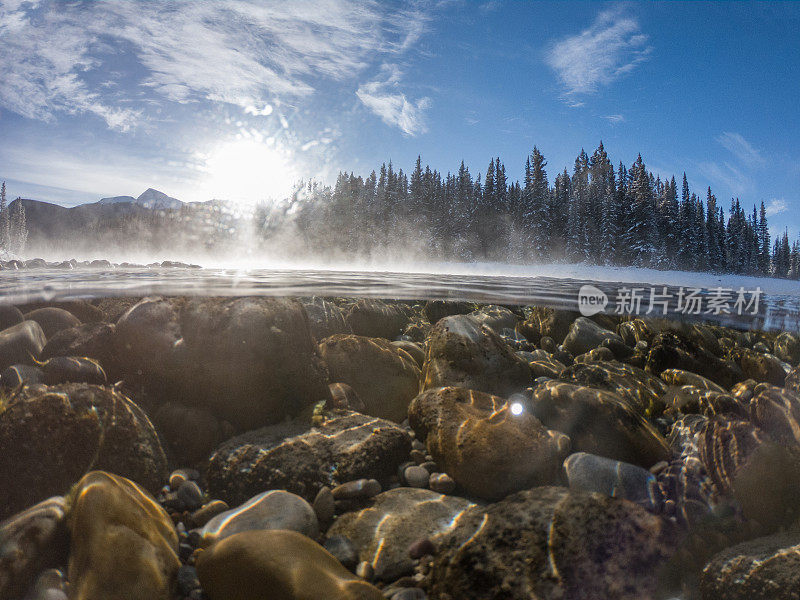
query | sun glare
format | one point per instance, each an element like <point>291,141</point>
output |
<point>248,171</point>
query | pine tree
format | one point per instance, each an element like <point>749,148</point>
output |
<point>763,240</point>
<point>19,229</point>
<point>639,236</point>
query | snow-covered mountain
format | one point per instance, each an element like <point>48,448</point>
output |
<point>150,198</point>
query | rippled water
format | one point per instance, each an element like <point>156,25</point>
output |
<point>775,311</point>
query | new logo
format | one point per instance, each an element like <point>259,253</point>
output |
<point>591,300</point>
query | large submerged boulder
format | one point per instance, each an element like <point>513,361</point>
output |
<point>51,435</point>
<point>292,457</point>
<point>599,422</point>
<point>252,361</point>
<point>552,543</point>
<point>487,447</point>
<point>397,519</point>
<point>384,376</point>
<point>124,546</point>
<point>464,353</point>
<point>280,565</point>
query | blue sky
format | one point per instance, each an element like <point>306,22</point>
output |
<point>239,99</point>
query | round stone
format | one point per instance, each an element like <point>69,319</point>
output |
<point>441,483</point>
<point>324,505</point>
<point>416,477</point>
<point>359,488</point>
<point>191,495</point>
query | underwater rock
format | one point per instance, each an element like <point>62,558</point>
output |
<point>550,322</point>
<point>123,546</point>
<point>766,568</point>
<point>279,565</point>
<point>496,317</point>
<point>746,464</point>
<point>599,422</point>
<point>681,377</point>
<point>641,391</point>
<point>584,335</point>
<point>483,445</point>
<point>689,399</point>
<point>463,353</point>
<point>377,318</point>
<point>17,375</point>
<point>344,397</point>
<point>434,310</point>
<point>792,382</point>
<point>9,316</point>
<point>591,473</point>
<point>414,349</point>
<point>385,377</point>
<point>777,411</point>
<point>383,532</point>
<point>546,366</point>
<point>551,543</point>
<point>347,446</point>
<point>325,318</point>
<point>72,369</point>
<point>83,310</point>
<point>634,331</point>
<point>275,509</point>
<point>51,435</point>
<point>600,354</point>
<point>31,541</point>
<point>190,433</point>
<point>671,350</point>
<point>787,347</point>
<point>761,367</point>
<point>21,343</point>
<point>52,320</point>
<point>89,340</point>
<point>252,361</point>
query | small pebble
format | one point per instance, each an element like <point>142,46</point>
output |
<point>187,580</point>
<point>365,571</point>
<point>343,550</point>
<point>360,488</point>
<point>324,505</point>
<point>208,511</point>
<point>177,477</point>
<point>420,548</point>
<point>190,494</point>
<point>402,469</point>
<point>441,483</point>
<point>417,445</point>
<point>416,477</point>
<point>430,466</point>
<point>418,456</point>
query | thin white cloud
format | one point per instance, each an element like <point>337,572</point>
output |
<point>776,206</point>
<point>731,178</point>
<point>384,98</point>
<point>741,148</point>
<point>614,119</point>
<point>242,52</point>
<point>612,46</point>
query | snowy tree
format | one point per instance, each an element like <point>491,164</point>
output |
<point>19,229</point>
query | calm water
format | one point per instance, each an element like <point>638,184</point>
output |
<point>773,312</point>
<point>565,457</point>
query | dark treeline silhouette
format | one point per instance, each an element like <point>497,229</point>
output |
<point>597,214</point>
